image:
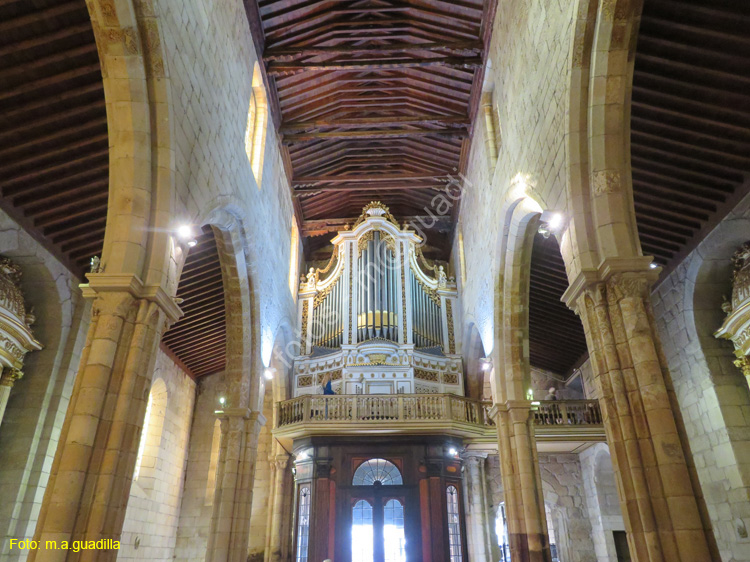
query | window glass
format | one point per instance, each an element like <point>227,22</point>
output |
<point>454,525</point>
<point>394,538</point>
<point>377,470</point>
<point>303,525</point>
<point>362,532</point>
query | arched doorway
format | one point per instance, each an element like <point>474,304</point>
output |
<point>378,499</point>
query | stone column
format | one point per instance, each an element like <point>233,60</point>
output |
<point>90,480</point>
<point>275,540</point>
<point>522,483</point>
<point>7,380</point>
<point>230,523</point>
<point>658,489</point>
<point>476,507</point>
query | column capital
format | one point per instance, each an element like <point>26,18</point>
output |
<point>609,270</point>
<point>242,413</point>
<point>101,283</point>
<point>9,376</point>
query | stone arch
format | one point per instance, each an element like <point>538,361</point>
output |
<point>243,365</point>
<point>511,325</point>
<point>282,362</point>
<point>136,90</point>
<point>600,194</point>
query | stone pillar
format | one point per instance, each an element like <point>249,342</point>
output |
<point>7,379</point>
<point>279,495</point>
<point>522,483</point>
<point>477,527</point>
<point>90,480</point>
<point>230,522</point>
<point>657,485</point>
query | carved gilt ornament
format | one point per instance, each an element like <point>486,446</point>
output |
<point>736,326</point>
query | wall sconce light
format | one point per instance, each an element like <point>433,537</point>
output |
<point>486,363</point>
<point>268,373</point>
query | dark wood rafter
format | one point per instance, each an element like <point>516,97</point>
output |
<point>556,338</point>
<point>54,150</point>
<point>198,340</point>
<point>377,100</point>
<point>690,122</point>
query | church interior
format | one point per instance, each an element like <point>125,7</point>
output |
<point>375,280</point>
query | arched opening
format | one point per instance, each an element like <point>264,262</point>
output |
<point>147,460</point>
<point>478,379</point>
<point>255,129</point>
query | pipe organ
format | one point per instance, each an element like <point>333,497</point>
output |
<point>378,319</point>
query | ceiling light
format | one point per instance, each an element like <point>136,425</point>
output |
<point>185,232</point>
<point>192,243</point>
<point>555,220</point>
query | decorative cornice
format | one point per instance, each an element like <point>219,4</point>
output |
<point>131,284</point>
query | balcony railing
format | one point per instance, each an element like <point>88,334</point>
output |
<point>377,409</point>
<point>567,412</point>
<point>575,421</point>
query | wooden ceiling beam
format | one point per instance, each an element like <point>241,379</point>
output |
<point>314,180</point>
<point>424,119</point>
<point>50,13</point>
<point>285,69</point>
<point>475,47</point>
<point>43,39</point>
<point>25,88</point>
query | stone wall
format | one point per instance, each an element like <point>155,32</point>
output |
<point>712,393</point>
<point>150,529</point>
<point>531,45</point>
<point>36,409</point>
<point>210,60</point>
<point>564,495</point>
<point>200,473</point>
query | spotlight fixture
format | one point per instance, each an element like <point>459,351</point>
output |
<point>222,400</point>
<point>555,221</point>
<point>453,451</point>
<point>192,243</point>
<point>268,373</point>
<point>185,232</point>
<point>486,363</point>
<point>653,265</point>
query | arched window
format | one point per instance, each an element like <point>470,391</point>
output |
<point>362,532</point>
<point>394,538</point>
<point>303,523</point>
<point>462,257</point>
<point>294,259</point>
<point>377,470</point>
<point>255,130</point>
<point>213,463</point>
<point>454,525</point>
<point>501,531</point>
<point>153,424</point>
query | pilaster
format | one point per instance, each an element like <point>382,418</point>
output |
<point>230,523</point>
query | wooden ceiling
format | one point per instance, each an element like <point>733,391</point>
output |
<point>374,100</point>
<point>198,339</point>
<point>556,338</point>
<point>690,121</point>
<point>53,127</point>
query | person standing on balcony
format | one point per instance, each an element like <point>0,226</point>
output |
<point>327,387</point>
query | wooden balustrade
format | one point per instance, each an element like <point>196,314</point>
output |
<point>378,408</point>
